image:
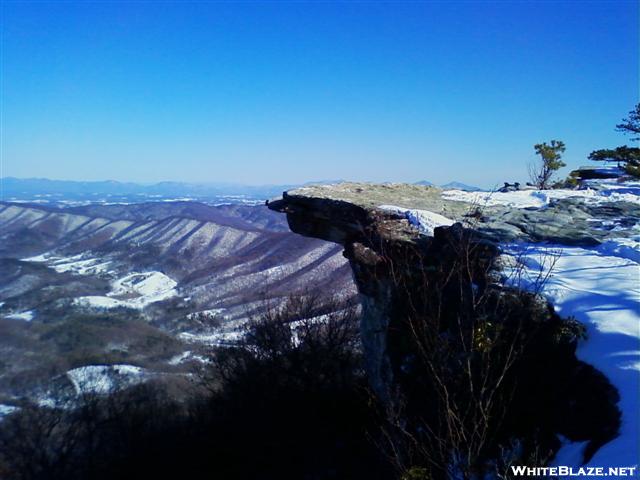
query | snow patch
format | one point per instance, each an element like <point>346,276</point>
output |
<point>180,358</point>
<point>97,301</point>
<point>186,356</point>
<point>539,198</point>
<point>6,410</point>
<point>216,338</point>
<point>26,316</point>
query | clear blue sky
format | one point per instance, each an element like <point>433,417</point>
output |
<point>285,92</point>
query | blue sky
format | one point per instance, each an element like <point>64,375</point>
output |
<point>287,92</point>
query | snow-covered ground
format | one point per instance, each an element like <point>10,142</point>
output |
<point>103,379</point>
<point>603,292</point>
<point>135,290</point>
<point>215,338</point>
<point>605,192</point>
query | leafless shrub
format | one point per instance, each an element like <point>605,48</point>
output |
<point>307,336</point>
<point>461,330</point>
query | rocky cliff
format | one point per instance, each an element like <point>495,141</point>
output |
<point>380,229</point>
<point>378,242</point>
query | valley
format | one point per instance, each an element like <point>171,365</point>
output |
<point>154,285</point>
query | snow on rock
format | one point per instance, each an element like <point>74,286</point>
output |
<point>103,379</point>
<point>424,220</point>
<point>629,192</point>
<point>603,292</point>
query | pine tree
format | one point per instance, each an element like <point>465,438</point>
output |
<point>550,161</point>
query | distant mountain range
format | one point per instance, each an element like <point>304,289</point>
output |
<point>69,192</point>
<point>451,186</point>
<point>11,186</point>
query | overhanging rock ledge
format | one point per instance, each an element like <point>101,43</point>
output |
<point>382,246</point>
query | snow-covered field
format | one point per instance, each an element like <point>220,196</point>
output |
<point>136,290</point>
<point>79,264</point>
<point>603,292</point>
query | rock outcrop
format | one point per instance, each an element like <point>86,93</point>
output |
<point>338,212</point>
<point>382,245</point>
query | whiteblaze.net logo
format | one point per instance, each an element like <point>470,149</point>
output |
<point>522,471</point>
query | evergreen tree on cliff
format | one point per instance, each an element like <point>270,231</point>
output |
<point>631,124</point>
<point>626,157</point>
<point>550,161</point>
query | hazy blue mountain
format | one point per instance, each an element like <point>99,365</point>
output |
<point>42,190</point>
<point>450,186</point>
<point>67,192</point>
<point>460,186</point>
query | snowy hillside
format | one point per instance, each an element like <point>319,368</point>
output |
<point>141,283</point>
